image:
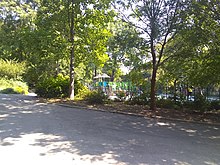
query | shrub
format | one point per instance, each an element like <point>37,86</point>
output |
<point>96,97</point>
<point>58,87</point>
<point>141,99</point>
<point>201,103</point>
<point>80,90</point>
<point>10,69</point>
<point>21,90</point>
<point>215,105</point>
<point>166,103</point>
<point>188,104</point>
<point>13,87</point>
<point>8,91</point>
<point>53,87</point>
<point>121,95</point>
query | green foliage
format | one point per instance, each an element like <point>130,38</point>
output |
<point>13,87</point>
<point>215,105</point>
<point>167,103</point>
<point>125,45</point>
<point>141,99</point>
<point>33,32</point>
<point>8,91</point>
<point>11,69</point>
<point>121,95</point>
<point>16,20</point>
<point>96,97</point>
<point>81,91</point>
<point>58,87</point>
<point>53,87</point>
<point>201,103</point>
<point>20,90</point>
<point>195,50</point>
<point>188,105</point>
<point>158,26</point>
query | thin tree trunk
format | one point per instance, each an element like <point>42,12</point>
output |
<point>153,79</point>
<point>153,90</point>
<point>72,74</point>
<point>114,60</point>
<point>72,55</point>
<point>113,75</point>
<point>95,72</point>
<point>174,92</point>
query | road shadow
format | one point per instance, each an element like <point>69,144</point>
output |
<point>104,138</point>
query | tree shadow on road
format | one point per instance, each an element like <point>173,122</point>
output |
<point>90,137</point>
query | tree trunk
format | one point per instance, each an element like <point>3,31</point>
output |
<point>95,72</point>
<point>153,90</point>
<point>174,91</point>
<point>113,75</point>
<point>153,78</point>
<point>72,95</point>
<point>71,20</point>
<point>114,61</point>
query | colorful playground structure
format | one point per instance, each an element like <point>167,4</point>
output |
<point>102,81</point>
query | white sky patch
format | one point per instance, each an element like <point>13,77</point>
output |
<point>124,69</point>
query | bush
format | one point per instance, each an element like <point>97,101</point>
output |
<point>188,104</point>
<point>81,91</point>
<point>58,87</point>
<point>141,99</point>
<point>96,97</point>
<point>10,69</point>
<point>121,95</point>
<point>53,87</point>
<point>201,103</point>
<point>8,91</point>
<point>13,87</point>
<point>167,103</point>
<point>20,90</point>
<point>215,105</point>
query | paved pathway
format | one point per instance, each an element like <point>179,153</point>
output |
<point>36,133</point>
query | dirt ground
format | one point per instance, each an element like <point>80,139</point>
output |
<point>141,110</point>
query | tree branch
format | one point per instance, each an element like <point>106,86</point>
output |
<point>168,32</point>
<point>126,19</point>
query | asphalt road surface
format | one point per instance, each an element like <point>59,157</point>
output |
<point>33,133</point>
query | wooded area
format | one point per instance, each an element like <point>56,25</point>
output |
<point>166,46</point>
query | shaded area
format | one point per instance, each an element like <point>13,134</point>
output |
<point>181,114</point>
<point>8,91</point>
<point>33,132</point>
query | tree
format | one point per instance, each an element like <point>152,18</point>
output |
<point>159,22</point>
<point>124,47</point>
<point>71,15</point>
<point>44,38</point>
<point>205,30</point>
<point>16,18</point>
<point>195,52</point>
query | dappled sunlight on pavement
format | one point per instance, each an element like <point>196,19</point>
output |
<point>24,140</point>
<point>38,133</point>
<point>40,148</point>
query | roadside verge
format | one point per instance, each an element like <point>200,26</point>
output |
<point>146,114</point>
